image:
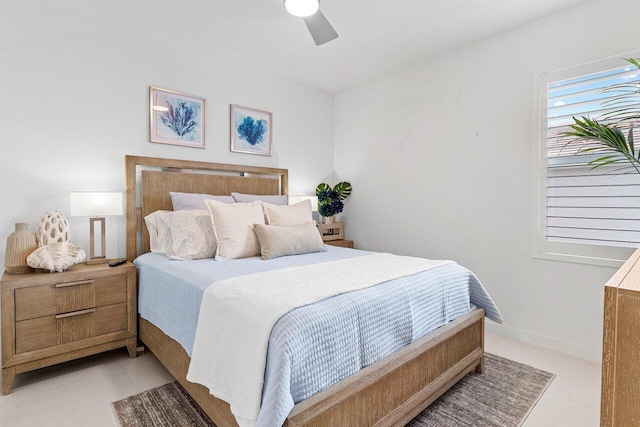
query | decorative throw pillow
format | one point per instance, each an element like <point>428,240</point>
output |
<point>184,201</point>
<point>276,241</point>
<point>159,232</point>
<point>233,228</point>
<point>249,198</point>
<point>191,235</point>
<point>300,213</point>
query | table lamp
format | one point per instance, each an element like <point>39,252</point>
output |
<point>96,206</point>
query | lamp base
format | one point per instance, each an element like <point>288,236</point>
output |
<point>92,240</point>
<point>98,260</point>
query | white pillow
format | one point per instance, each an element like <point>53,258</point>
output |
<point>159,232</point>
<point>299,213</point>
<point>249,198</point>
<point>160,225</point>
<point>276,241</point>
<point>233,228</point>
<point>184,201</point>
<point>191,235</point>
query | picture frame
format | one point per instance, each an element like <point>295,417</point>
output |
<point>176,118</point>
<point>251,130</point>
<point>331,231</point>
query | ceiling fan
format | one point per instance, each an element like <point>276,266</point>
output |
<point>309,10</point>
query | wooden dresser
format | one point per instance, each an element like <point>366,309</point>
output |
<point>620,402</point>
<point>48,318</point>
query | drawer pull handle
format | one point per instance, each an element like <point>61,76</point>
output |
<point>82,282</point>
<point>75,313</point>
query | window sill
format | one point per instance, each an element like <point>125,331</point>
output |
<point>614,261</point>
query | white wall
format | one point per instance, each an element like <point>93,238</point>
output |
<point>74,101</point>
<point>440,154</point>
<point>440,158</point>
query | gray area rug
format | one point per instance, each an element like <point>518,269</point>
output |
<point>502,396</point>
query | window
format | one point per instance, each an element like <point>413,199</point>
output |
<point>585,215</point>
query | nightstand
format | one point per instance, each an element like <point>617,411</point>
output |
<point>342,242</point>
<point>48,318</point>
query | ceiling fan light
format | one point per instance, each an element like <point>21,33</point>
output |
<point>302,8</point>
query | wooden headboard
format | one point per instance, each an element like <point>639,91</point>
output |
<point>155,177</point>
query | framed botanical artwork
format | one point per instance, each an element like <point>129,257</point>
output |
<point>176,118</point>
<point>250,130</point>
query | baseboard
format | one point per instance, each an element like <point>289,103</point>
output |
<point>546,342</point>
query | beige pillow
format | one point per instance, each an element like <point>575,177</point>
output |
<point>233,228</point>
<point>191,235</point>
<point>159,232</point>
<point>276,240</point>
<point>299,213</point>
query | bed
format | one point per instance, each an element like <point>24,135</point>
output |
<point>390,391</point>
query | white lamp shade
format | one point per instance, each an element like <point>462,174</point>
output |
<point>96,204</point>
<point>297,199</point>
<point>302,8</point>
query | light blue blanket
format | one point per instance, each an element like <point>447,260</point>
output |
<point>317,345</point>
<point>170,291</point>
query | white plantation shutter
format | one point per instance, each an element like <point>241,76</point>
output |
<point>601,208</point>
<point>585,206</point>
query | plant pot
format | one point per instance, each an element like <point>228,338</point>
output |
<point>329,219</point>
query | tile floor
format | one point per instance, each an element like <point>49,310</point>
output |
<point>79,393</point>
<point>572,399</point>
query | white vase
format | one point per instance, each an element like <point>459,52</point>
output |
<point>328,219</point>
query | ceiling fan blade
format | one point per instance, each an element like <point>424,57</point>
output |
<point>320,28</point>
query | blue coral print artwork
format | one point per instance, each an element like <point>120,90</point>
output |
<point>180,119</point>
<point>251,131</point>
<point>177,118</point>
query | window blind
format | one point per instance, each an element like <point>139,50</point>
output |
<point>585,206</point>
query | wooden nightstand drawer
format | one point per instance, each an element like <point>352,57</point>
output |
<point>34,334</point>
<point>66,297</point>
<point>49,331</point>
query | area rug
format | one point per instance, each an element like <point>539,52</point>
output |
<point>502,396</point>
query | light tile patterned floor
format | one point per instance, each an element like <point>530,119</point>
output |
<point>572,399</point>
<point>79,393</point>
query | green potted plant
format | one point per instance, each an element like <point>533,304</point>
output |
<point>330,200</point>
<point>606,135</point>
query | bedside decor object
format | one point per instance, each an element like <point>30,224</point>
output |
<point>250,131</point>
<point>52,227</point>
<point>56,257</point>
<point>96,206</point>
<point>20,244</point>
<point>330,203</point>
<point>330,200</point>
<point>331,231</point>
<point>176,118</point>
